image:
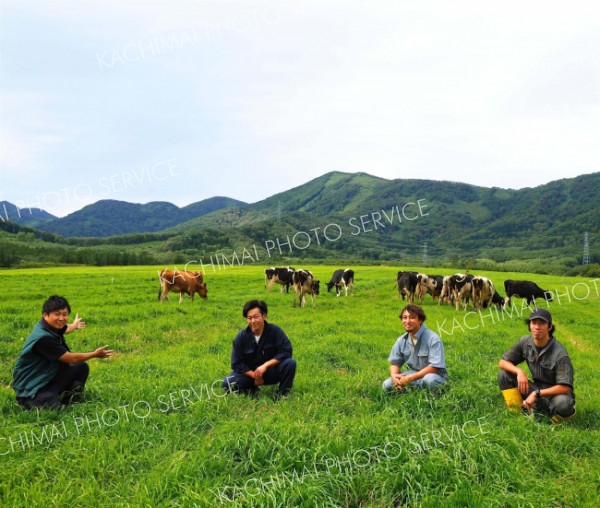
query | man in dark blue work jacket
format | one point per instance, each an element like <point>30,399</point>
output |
<point>261,355</point>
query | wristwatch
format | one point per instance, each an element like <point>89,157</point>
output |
<point>537,392</point>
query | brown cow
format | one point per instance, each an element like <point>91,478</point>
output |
<point>181,281</point>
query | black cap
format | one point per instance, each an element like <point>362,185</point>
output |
<point>541,314</point>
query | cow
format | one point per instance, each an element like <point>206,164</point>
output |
<point>447,290</point>
<point>525,289</point>
<point>342,279</point>
<point>407,285</point>
<point>497,300</point>
<point>283,276</point>
<point>181,281</point>
<point>434,288</point>
<point>304,282</point>
<point>483,292</point>
<point>462,289</point>
<point>425,284</point>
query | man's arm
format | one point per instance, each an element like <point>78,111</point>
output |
<point>511,368</point>
<point>238,362</point>
<point>73,358</point>
<point>395,375</point>
<point>552,391</point>
<point>284,351</point>
<point>77,324</point>
<point>405,379</point>
<point>260,371</point>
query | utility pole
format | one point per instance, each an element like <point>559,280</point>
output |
<point>586,249</point>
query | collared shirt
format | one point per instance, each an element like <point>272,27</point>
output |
<point>248,354</point>
<point>35,366</point>
<point>552,366</point>
<point>428,350</point>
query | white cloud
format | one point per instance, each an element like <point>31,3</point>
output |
<point>243,93</point>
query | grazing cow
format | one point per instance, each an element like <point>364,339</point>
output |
<point>407,285</point>
<point>497,299</point>
<point>304,282</point>
<point>434,288</point>
<point>483,292</point>
<point>342,279</point>
<point>181,281</point>
<point>425,284</point>
<point>462,289</point>
<point>283,276</point>
<point>525,289</point>
<point>447,290</point>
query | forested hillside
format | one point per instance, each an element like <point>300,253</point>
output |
<point>342,217</point>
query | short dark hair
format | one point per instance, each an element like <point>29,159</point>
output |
<point>55,303</point>
<point>253,304</point>
<point>411,308</point>
<point>551,327</point>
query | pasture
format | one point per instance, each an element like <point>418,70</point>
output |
<point>155,430</point>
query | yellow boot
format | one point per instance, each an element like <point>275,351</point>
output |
<point>513,399</point>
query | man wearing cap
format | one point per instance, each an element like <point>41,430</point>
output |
<point>551,391</point>
<point>419,348</point>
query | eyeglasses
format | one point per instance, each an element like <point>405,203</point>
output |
<point>254,318</point>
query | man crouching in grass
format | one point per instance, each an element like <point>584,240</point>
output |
<point>47,374</point>
<point>421,350</point>
<point>551,392</point>
<point>261,355</point>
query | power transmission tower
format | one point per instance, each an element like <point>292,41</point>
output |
<point>278,211</point>
<point>586,249</point>
<point>425,254</point>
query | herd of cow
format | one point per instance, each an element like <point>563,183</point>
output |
<point>458,289</point>
<point>305,283</point>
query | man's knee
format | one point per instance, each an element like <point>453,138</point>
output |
<point>234,383</point>
<point>506,380</point>
<point>84,369</point>
<point>289,365</point>
<point>388,385</point>
<point>563,405</point>
<point>432,381</point>
<point>81,372</point>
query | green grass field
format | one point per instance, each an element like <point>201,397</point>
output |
<point>155,430</point>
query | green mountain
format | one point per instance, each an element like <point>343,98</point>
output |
<point>32,217</point>
<point>456,220</point>
<point>351,218</point>
<point>110,217</point>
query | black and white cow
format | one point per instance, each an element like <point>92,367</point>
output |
<point>497,300</point>
<point>433,286</point>
<point>407,283</point>
<point>342,279</point>
<point>461,286</point>
<point>305,283</point>
<point>447,290</point>
<point>525,289</point>
<point>283,276</point>
<point>425,284</point>
<point>483,292</point>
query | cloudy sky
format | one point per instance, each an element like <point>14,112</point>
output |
<point>180,101</point>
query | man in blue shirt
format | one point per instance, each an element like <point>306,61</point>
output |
<point>47,373</point>
<point>261,355</point>
<point>421,350</point>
